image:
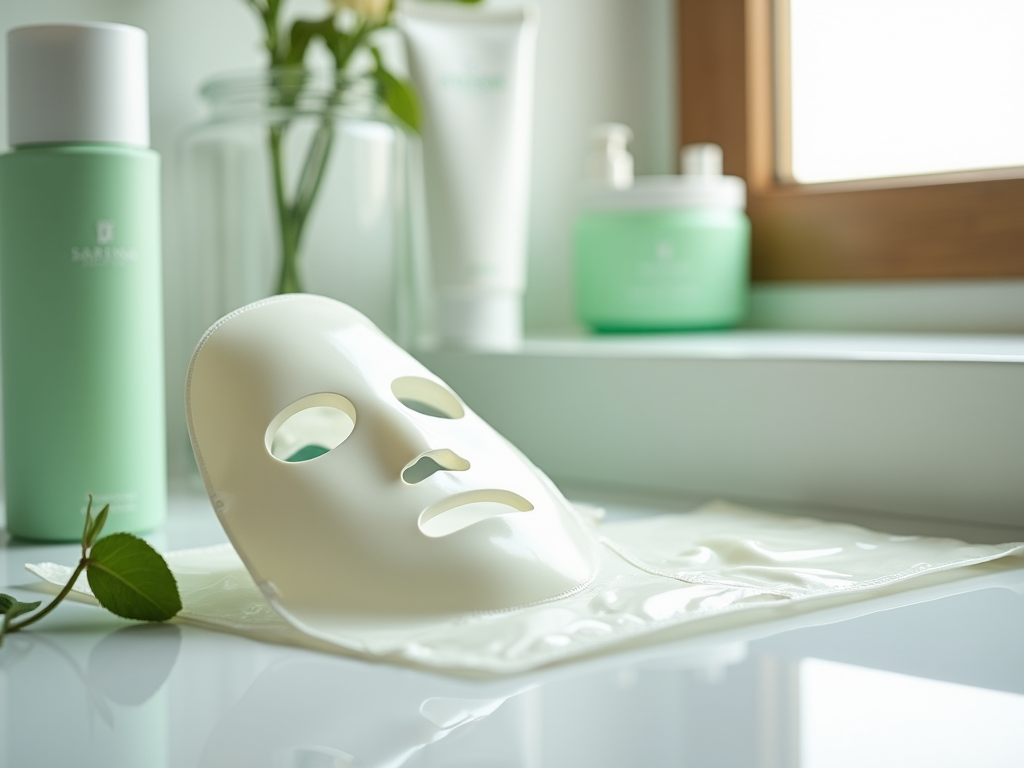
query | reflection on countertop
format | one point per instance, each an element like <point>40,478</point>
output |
<point>86,688</point>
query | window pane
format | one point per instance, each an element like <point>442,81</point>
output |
<point>901,87</point>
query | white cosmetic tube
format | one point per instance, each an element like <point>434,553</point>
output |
<point>473,70</point>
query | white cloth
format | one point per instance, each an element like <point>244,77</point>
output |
<point>657,576</point>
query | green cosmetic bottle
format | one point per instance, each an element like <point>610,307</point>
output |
<point>80,284</point>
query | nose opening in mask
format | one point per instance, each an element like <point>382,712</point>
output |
<point>463,510</point>
<point>428,463</point>
<point>427,397</point>
<point>311,427</point>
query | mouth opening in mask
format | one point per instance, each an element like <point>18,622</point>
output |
<point>464,509</point>
<point>311,427</point>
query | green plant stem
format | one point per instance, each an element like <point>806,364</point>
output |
<point>288,279</point>
<point>270,11</point>
<point>293,215</point>
<point>53,603</point>
<point>313,172</point>
<point>342,55</point>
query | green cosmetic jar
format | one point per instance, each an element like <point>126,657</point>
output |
<point>667,253</point>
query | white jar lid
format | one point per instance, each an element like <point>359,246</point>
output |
<point>77,83</point>
<point>701,185</point>
<point>672,192</point>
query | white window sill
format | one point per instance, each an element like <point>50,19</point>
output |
<point>782,345</point>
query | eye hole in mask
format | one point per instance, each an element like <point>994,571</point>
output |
<point>427,397</point>
<point>311,427</point>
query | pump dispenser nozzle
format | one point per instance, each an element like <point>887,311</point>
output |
<point>702,159</point>
<point>611,164</point>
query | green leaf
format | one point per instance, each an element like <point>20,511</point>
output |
<point>12,609</point>
<point>130,579</point>
<point>94,527</point>
<point>88,521</point>
<point>399,95</point>
<point>303,32</point>
<point>400,98</point>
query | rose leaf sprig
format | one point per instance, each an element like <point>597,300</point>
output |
<point>126,575</point>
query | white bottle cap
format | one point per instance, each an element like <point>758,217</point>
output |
<point>489,322</point>
<point>611,164</point>
<point>77,83</point>
<point>702,159</point>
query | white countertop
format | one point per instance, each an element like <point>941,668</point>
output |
<point>935,678</point>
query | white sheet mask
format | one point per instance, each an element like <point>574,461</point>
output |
<point>352,481</point>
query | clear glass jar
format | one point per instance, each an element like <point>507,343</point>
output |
<point>296,181</point>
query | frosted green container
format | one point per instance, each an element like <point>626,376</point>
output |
<point>662,270</point>
<point>664,254</point>
<point>80,294</point>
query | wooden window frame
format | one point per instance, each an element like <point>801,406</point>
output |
<point>942,226</point>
